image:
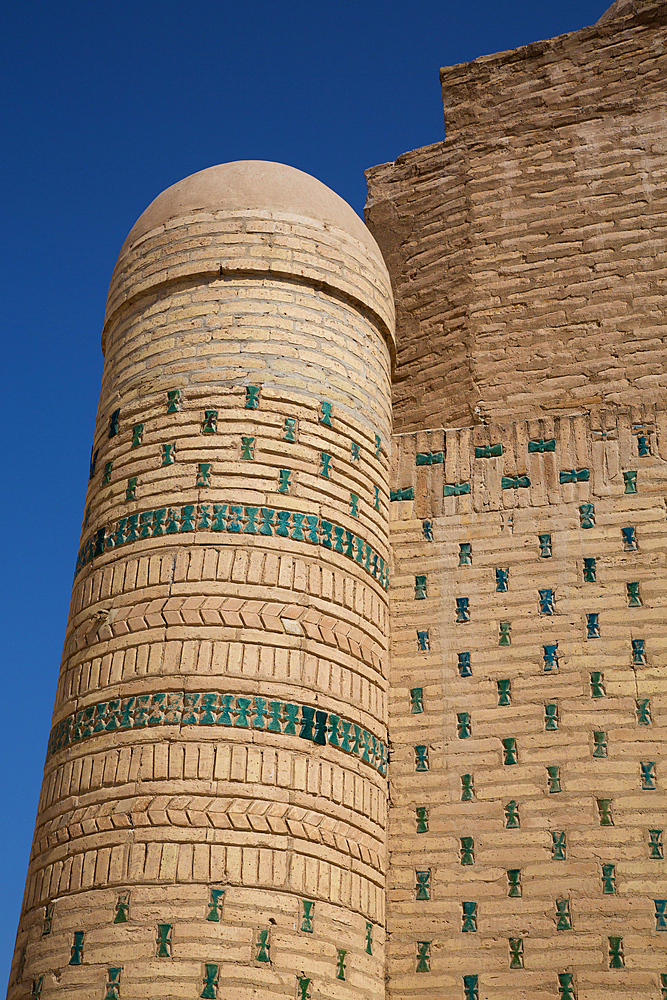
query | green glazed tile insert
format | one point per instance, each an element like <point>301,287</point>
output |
<point>211,980</point>
<point>289,429</point>
<point>586,515</point>
<point>421,758</point>
<point>307,915</point>
<point>575,476</point>
<point>455,489</point>
<point>210,424</point>
<point>516,953</point>
<point>284,480</point>
<point>471,987</point>
<point>505,634</point>
<point>541,446</point>
<point>325,413</point>
<point>173,400</point>
<point>616,957</point>
<point>76,951</point>
<point>465,554</point>
<point>423,886</point>
<point>340,964</point>
<point>514,882</point>
<point>553,778</point>
<point>430,458</point>
<point>423,956</point>
<point>558,845</point>
<point>509,750</point>
<point>248,448</point>
<point>168,454</point>
<point>565,986</point>
<point>416,700</point>
<point>421,813</point>
<point>106,477</point>
<point>203,474</point>
<point>378,445</point>
<point>655,845</point>
<point>512,820</point>
<point>489,451</point>
<point>609,880</point>
<point>467,850</point>
<point>551,718</point>
<point>113,983</point>
<point>131,489</point>
<point>406,493</point>
<point>469,917</point>
<point>590,570</point>
<point>262,946</point>
<point>48,918</point>
<point>302,987</point>
<point>178,708</point>
<point>37,985</point>
<point>214,905</point>
<point>605,812</point>
<point>504,692</point>
<point>137,435</point>
<point>113,423</point>
<point>648,777</point>
<point>252,397</point>
<point>467,788</point>
<point>369,938</point>
<point>643,707</point>
<point>597,685</point>
<point>354,505</point>
<point>600,741</point>
<point>630,482</point>
<point>122,908</point>
<point>355,454</point>
<point>563,917</point>
<point>93,463</point>
<point>515,482</point>
<point>163,941</point>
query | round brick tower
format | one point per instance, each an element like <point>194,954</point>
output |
<point>213,814</point>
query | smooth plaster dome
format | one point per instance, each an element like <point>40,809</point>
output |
<point>247,185</point>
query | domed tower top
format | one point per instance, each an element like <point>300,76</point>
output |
<point>253,199</point>
<point>248,185</point>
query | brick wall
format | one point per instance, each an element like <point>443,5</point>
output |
<point>528,698</point>
<point>527,249</point>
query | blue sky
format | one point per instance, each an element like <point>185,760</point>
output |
<point>106,104</point>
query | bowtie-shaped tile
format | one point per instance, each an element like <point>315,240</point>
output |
<point>541,446</point>
<point>455,489</point>
<point>430,458</point>
<point>515,482</point>
<point>575,475</point>
<point>488,451</point>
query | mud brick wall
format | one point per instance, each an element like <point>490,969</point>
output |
<point>213,815</point>
<point>528,709</point>
<point>526,251</point>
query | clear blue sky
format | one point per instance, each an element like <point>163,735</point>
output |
<point>105,105</point>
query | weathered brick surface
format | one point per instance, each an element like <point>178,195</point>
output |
<point>527,250</point>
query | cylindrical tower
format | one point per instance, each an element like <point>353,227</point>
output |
<point>212,818</point>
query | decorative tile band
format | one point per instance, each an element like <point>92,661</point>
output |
<point>179,708</point>
<point>238,519</point>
